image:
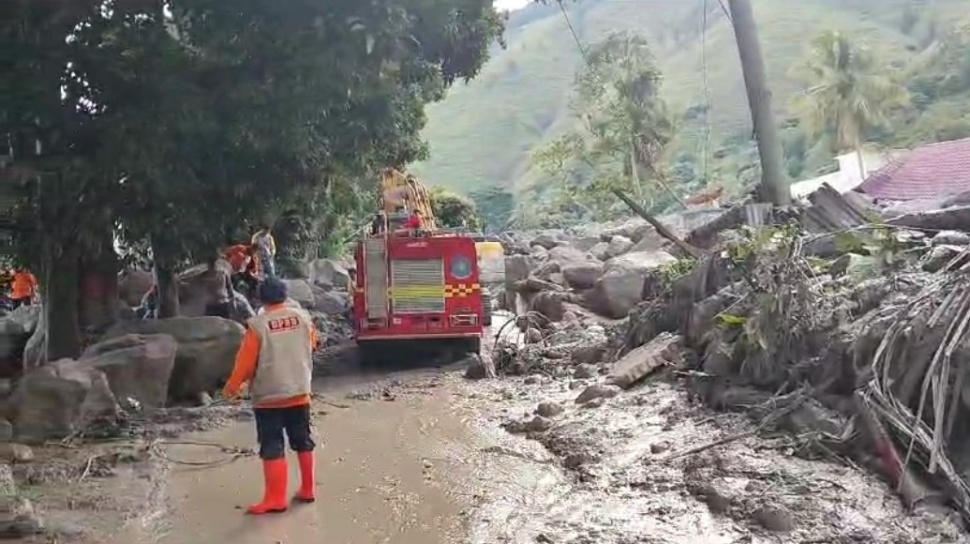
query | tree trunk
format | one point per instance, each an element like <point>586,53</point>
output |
<point>99,285</point>
<point>60,292</point>
<point>773,183</point>
<point>166,280</point>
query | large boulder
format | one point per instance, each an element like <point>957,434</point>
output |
<point>582,275</point>
<point>59,399</point>
<point>621,286</point>
<point>547,240</point>
<point>333,303</point>
<point>550,304</point>
<point>567,254</point>
<point>518,268</point>
<point>16,329</point>
<point>619,245</point>
<point>302,292</point>
<point>133,284</point>
<point>201,286</point>
<point>601,251</point>
<point>138,367</point>
<point>329,274</point>
<point>207,349</point>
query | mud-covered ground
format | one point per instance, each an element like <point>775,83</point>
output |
<point>426,457</point>
<point>626,475</point>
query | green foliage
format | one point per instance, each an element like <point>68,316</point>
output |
<point>623,128</point>
<point>847,91</point>
<point>453,210</point>
<point>495,206</point>
<point>179,124</point>
<point>485,134</point>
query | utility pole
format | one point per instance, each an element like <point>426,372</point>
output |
<point>774,186</point>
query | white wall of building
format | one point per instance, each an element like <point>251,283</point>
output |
<point>848,176</point>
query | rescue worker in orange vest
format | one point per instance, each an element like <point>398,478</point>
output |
<point>23,288</point>
<point>275,358</point>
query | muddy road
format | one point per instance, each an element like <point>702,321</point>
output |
<point>425,457</point>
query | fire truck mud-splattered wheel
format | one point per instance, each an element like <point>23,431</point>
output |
<point>415,353</point>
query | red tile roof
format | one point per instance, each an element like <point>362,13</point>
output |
<point>932,171</point>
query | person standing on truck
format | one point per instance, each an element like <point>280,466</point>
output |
<point>23,288</point>
<point>276,359</point>
<point>266,249</point>
<point>414,221</point>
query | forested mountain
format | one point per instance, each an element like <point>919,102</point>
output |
<point>483,135</point>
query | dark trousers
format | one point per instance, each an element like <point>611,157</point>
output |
<point>271,424</point>
<point>18,302</point>
<point>251,283</point>
<point>220,309</point>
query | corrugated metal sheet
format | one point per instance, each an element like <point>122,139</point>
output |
<point>830,211</point>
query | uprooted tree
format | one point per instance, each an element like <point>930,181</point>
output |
<point>176,122</point>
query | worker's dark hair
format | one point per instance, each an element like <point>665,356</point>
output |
<point>416,211</point>
<point>272,291</point>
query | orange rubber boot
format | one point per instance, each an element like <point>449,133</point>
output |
<point>307,492</point>
<point>276,474</point>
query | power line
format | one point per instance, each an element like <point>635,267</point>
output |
<point>572,31</point>
<point>705,143</point>
<point>727,12</point>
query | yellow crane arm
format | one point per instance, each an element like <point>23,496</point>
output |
<point>403,190</point>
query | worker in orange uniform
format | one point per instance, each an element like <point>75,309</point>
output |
<point>242,259</point>
<point>23,288</point>
<point>275,358</point>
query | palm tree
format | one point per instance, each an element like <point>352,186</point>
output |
<point>847,91</point>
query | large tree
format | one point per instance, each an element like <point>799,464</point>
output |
<point>623,127</point>
<point>847,92</point>
<point>181,120</point>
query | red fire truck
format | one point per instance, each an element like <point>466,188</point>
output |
<point>416,289</point>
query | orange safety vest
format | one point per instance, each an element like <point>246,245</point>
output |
<point>23,286</point>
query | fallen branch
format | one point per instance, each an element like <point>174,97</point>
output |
<point>661,228</point>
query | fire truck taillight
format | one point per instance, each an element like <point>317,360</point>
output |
<point>464,320</point>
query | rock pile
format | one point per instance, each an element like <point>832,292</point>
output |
<point>816,330</point>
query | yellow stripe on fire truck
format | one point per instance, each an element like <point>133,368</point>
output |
<point>420,291</point>
<point>461,289</point>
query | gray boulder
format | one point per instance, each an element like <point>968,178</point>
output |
<point>138,367</point>
<point>58,399</point>
<point>329,274</point>
<point>621,286</point>
<point>206,353</point>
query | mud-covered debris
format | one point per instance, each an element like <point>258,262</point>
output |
<point>951,238</point>
<point>478,367</point>
<point>597,391</point>
<point>549,409</point>
<point>16,453</point>
<point>644,360</point>
<point>775,518</point>
<point>585,371</point>
<point>537,424</point>
<point>18,519</point>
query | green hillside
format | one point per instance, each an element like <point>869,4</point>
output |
<point>483,133</point>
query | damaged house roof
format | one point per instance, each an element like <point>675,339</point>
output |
<point>932,171</point>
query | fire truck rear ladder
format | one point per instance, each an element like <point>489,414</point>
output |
<point>375,261</point>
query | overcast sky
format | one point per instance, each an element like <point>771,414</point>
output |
<point>510,4</point>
